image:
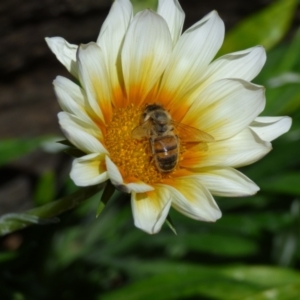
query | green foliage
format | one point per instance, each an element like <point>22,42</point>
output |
<point>11,149</point>
<point>105,197</point>
<point>232,282</point>
<point>45,190</point>
<point>42,215</point>
<point>266,28</point>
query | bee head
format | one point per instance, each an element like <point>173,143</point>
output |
<point>152,107</point>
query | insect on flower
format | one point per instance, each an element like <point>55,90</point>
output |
<point>157,125</point>
<point>156,115</point>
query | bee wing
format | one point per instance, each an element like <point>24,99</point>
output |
<point>192,134</point>
<point>141,131</point>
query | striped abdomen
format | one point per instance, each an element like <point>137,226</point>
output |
<point>165,150</point>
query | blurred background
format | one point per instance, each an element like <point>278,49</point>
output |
<point>253,252</point>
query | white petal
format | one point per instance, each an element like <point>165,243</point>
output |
<point>226,107</point>
<point>227,182</point>
<point>172,12</point>
<point>81,134</point>
<point>244,65</point>
<point>89,170</point>
<point>193,199</point>
<point>113,172</point>
<point>71,98</point>
<point>145,54</point>
<point>111,38</point>
<point>139,187</point>
<point>150,210</point>
<point>117,180</point>
<point>193,52</point>
<point>95,81</point>
<point>65,53</point>
<point>270,128</point>
<point>243,149</point>
<point>115,26</point>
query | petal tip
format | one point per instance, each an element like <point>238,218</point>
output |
<point>288,124</point>
<point>217,215</point>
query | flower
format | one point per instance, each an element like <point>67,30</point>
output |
<point>146,60</point>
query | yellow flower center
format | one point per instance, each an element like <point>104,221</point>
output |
<point>133,157</point>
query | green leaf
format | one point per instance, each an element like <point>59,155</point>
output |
<point>286,183</point>
<point>71,149</point>
<point>286,292</point>
<point>213,243</point>
<point>45,190</point>
<point>170,223</point>
<point>291,55</point>
<point>219,244</point>
<point>179,281</point>
<point>11,149</point>
<point>74,152</point>
<point>262,275</point>
<point>256,201</point>
<point>12,222</point>
<point>105,197</point>
<point>65,143</point>
<point>182,286</point>
<point>284,156</point>
<point>282,65</point>
<point>289,92</point>
<point>252,224</point>
<point>265,28</point>
<point>7,256</point>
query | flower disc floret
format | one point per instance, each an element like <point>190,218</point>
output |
<point>132,156</point>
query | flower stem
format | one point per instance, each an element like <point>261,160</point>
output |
<point>46,213</point>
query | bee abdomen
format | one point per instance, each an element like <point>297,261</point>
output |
<point>165,150</point>
<point>167,163</point>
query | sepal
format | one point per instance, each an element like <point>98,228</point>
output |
<point>105,197</point>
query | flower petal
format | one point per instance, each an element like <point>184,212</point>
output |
<point>243,149</point>
<point>151,209</point>
<point>139,187</point>
<point>244,65</point>
<point>226,107</point>
<point>113,172</point>
<point>227,182</point>
<point>193,52</point>
<point>71,98</point>
<point>145,54</point>
<point>89,170</point>
<point>82,135</point>
<point>110,39</point>
<point>193,199</point>
<point>270,128</point>
<point>95,81</point>
<point>172,12</point>
<point>117,180</point>
<point>64,52</point>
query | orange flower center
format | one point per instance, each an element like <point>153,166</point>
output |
<point>132,156</point>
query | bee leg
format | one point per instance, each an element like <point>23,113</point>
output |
<point>151,160</point>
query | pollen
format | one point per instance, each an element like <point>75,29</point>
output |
<point>132,156</point>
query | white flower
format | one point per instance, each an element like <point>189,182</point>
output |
<point>146,60</point>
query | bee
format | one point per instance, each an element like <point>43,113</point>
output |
<point>157,125</point>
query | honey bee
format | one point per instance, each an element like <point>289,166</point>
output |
<point>156,124</point>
